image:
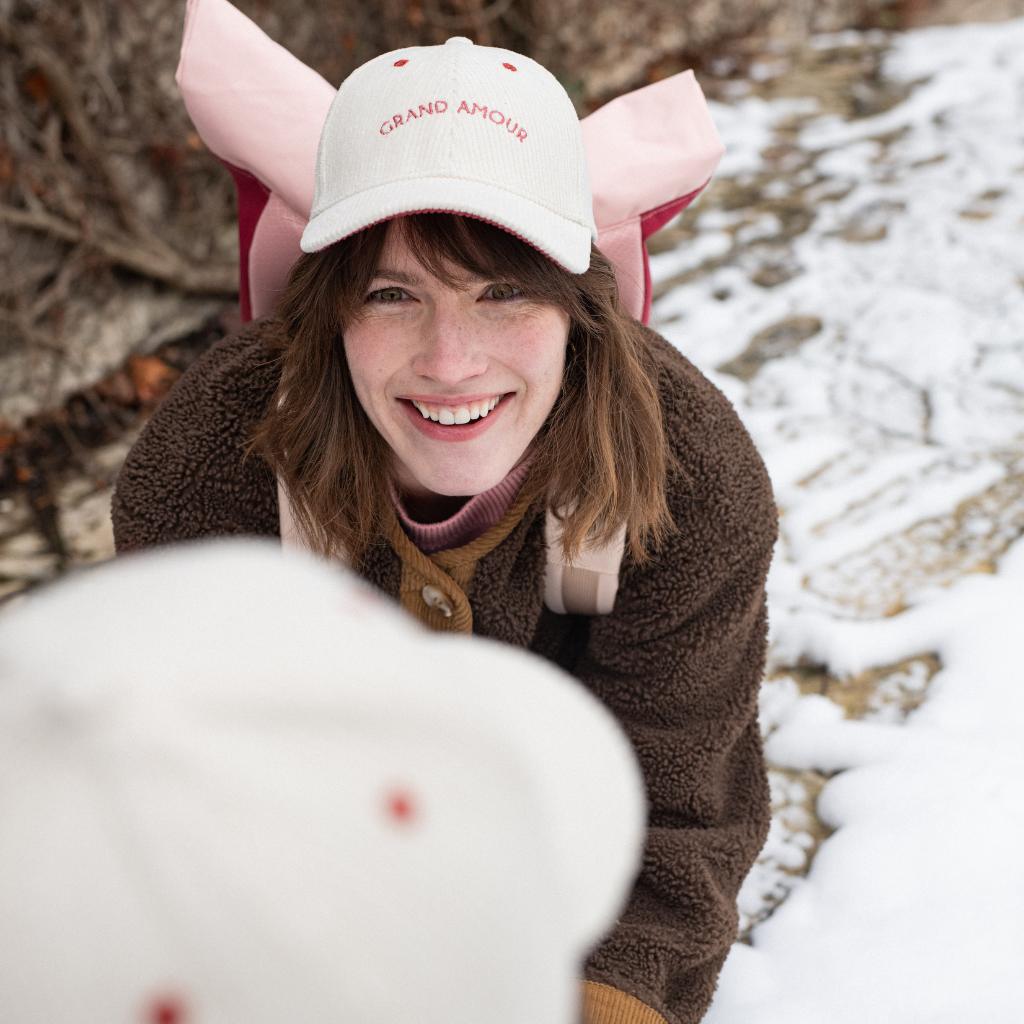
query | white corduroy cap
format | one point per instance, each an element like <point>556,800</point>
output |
<point>245,788</point>
<point>457,127</point>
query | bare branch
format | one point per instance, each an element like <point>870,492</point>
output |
<point>471,19</point>
<point>59,290</point>
<point>66,93</point>
<point>40,220</point>
<point>162,265</point>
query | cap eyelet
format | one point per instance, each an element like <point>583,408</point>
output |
<point>401,806</point>
<point>511,67</point>
<point>402,62</point>
<point>166,1009</point>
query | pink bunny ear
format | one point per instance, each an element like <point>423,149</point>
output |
<point>650,153</point>
<point>260,110</point>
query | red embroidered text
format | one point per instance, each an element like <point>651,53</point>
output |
<point>434,107</point>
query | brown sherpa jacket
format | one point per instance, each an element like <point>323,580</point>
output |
<point>678,661</point>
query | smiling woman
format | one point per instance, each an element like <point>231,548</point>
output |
<point>451,349</point>
<point>393,334</point>
<point>448,370</point>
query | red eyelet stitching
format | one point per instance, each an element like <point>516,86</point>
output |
<point>401,805</point>
<point>166,1010</point>
<point>511,67</point>
<point>400,63</point>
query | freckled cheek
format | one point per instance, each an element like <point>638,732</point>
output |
<point>371,363</point>
<point>540,361</point>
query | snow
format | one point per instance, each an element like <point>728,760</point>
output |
<point>895,441</point>
<point>912,907</point>
<point>707,245</point>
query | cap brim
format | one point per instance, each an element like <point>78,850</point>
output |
<point>564,241</point>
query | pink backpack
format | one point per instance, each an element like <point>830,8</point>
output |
<point>650,153</point>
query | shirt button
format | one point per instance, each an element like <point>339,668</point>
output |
<point>433,597</point>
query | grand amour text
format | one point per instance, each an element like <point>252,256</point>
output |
<point>441,107</point>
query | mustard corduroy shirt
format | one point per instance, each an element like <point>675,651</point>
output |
<point>434,586</point>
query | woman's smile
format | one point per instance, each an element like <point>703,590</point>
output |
<point>454,410</point>
<point>455,431</point>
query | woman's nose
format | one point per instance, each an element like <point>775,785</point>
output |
<point>450,349</point>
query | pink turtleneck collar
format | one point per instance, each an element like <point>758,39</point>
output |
<point>476,517</point>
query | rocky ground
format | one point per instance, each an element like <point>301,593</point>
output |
<point>796,179</point>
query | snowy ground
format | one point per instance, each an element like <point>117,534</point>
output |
<point>866,316</point>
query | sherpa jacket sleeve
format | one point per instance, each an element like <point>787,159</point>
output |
<point>184,477</point>
<point>679,661</point>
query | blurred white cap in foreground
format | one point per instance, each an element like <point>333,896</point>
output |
<point>238,785</point>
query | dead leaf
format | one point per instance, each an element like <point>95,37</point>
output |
<point>161,155</point>
<point>6,165</point>
<point>8,438</point>
<point>151,376</point>
<point>37,86</point>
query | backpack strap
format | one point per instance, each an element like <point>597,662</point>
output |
<point>289,534</point>
<point>586,586</point>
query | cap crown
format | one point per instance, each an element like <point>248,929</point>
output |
<point>456,113</point>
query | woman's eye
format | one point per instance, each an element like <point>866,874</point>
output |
<point>373,296</point>
<point>505,292</point>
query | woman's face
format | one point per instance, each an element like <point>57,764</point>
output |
<point>427,361</point>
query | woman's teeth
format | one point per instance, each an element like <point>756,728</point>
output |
<point>447,414</point>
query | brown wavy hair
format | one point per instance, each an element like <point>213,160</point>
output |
<point>601,453</point>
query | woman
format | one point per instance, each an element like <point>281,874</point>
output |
<point>450,360</point>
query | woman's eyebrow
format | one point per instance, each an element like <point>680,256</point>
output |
<point>412,279</point>
<point>397,275</point>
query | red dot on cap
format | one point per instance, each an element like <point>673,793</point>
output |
<point>166,1010</point>
<point>511,67</point>
<point>401,63</point>
<point>401,805</point>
